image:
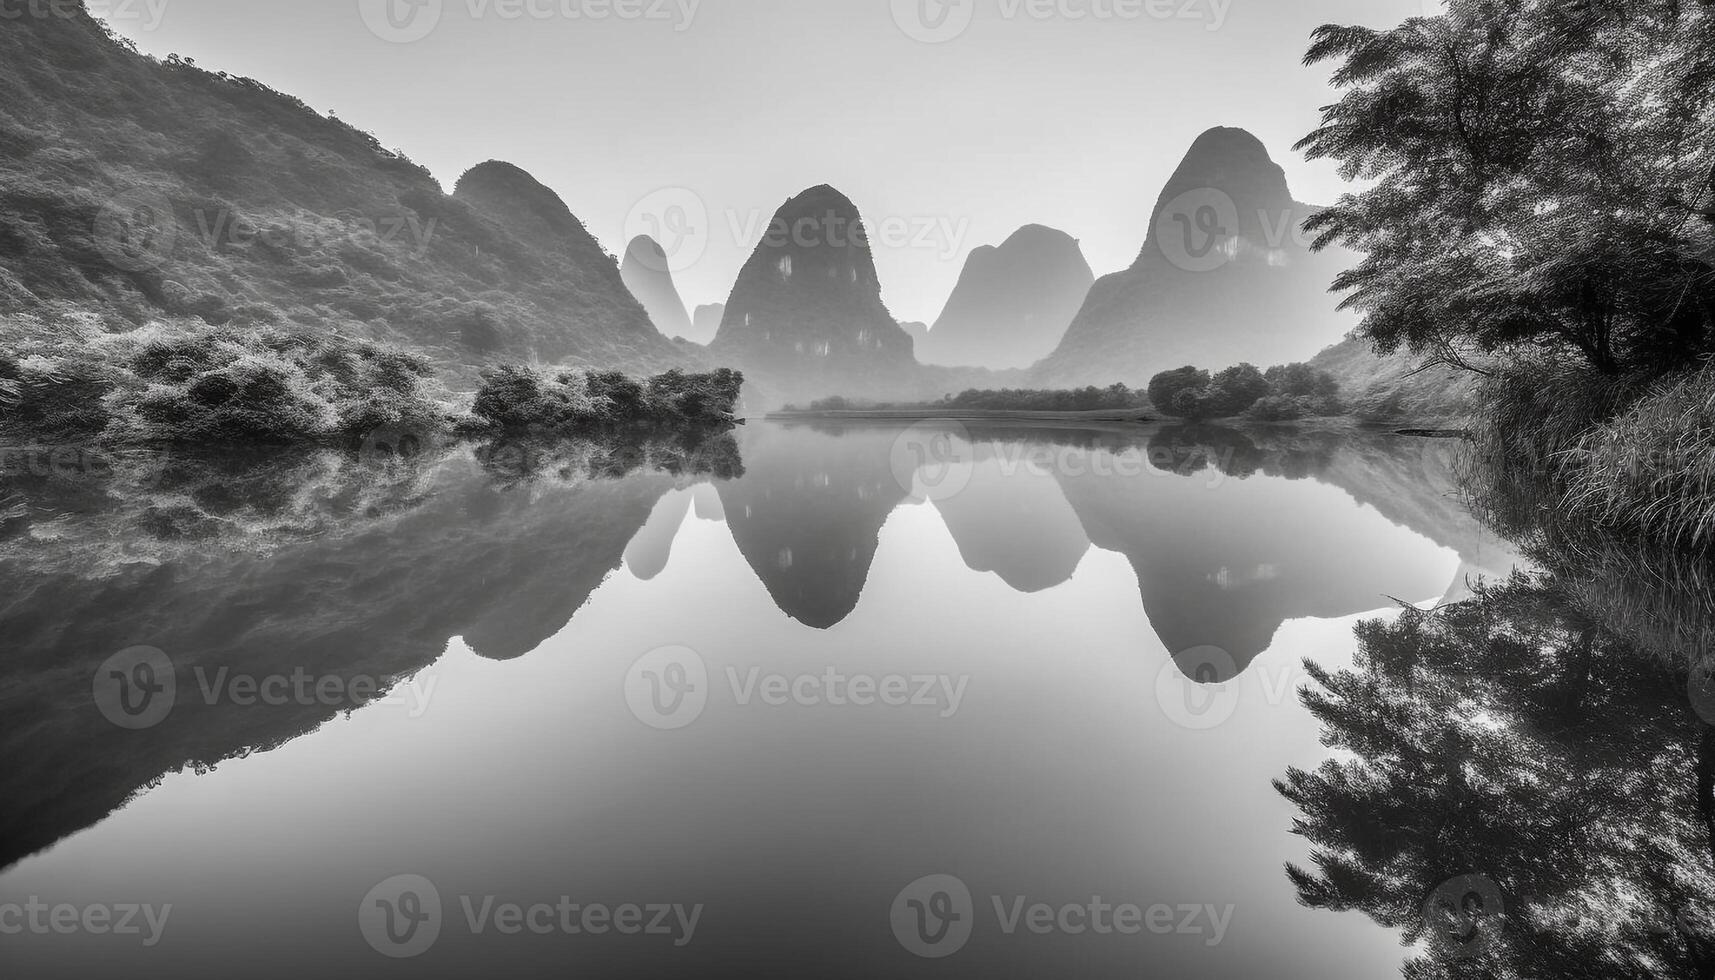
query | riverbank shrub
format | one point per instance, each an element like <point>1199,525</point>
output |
<point>1560,451</point>
<point>190,383</point>
<point>1286,393</point>
<point>1652,467</point>
<point>520,399</point>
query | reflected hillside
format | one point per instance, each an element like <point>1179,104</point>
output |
<point>335,568</point>
<point>808,513</point>
<point>1414,483</point>
<point>1231,533</point>
<point>1013,520</point>
<point>648,554</point>
<point>1230,541</point>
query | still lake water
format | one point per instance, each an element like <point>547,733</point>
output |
<point>750,720</point>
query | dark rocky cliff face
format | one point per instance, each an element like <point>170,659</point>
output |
<point>1013,303</point>
<point>647,275</point>
<point>806,313</point>
<point>1225,276</point>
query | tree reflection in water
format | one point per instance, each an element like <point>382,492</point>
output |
<point>1518,790</point>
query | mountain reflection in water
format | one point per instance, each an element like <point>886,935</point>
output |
<point>354,568</point>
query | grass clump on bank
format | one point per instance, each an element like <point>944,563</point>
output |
<point>1625,454</point>
<point>1652,467</point>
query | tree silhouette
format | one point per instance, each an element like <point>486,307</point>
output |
<point>1508,744</point>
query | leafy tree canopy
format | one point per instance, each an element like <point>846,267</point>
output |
<point>1543,178</point>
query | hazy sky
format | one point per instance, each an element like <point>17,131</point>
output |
<point>1069,113</point>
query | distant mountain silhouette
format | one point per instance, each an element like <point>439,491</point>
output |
<point>1013,303</point>
<point>647,275</point>
<point>806,313</point>
<point>706,323</point>
<point>179,192</point>
<point>1224,277</point>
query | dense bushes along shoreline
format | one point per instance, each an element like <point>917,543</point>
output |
<point>190,383</point>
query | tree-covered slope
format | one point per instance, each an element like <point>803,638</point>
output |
<point>143,189</point>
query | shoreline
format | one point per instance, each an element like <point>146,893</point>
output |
<point>1139,418</point>
<point>1132,416</point>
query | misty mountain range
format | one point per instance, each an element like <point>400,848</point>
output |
<point>255,209</point>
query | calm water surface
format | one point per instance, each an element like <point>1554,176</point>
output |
<point>1064,671</point>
